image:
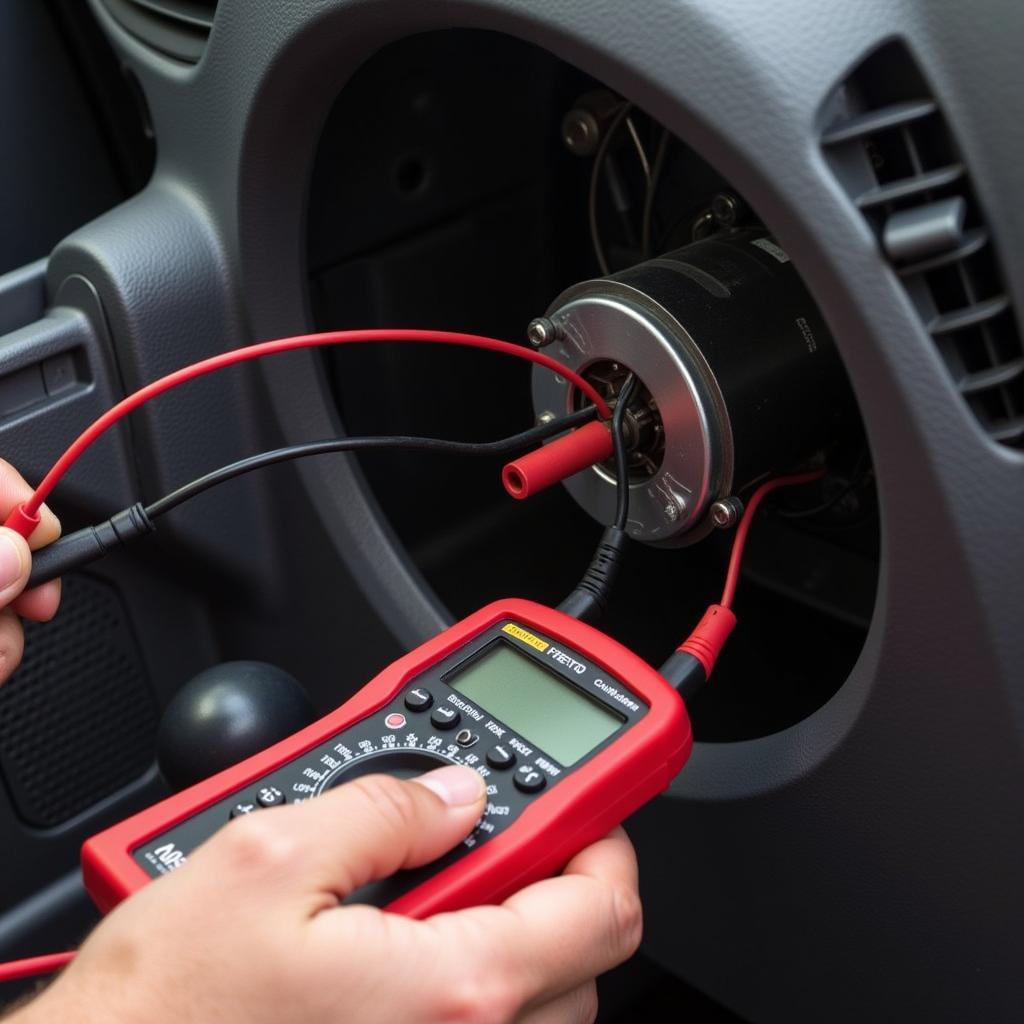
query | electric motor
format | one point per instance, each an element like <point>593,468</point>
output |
<point>739,377</point>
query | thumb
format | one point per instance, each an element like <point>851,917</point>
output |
<point>15,562</point>
<point>370,828</point>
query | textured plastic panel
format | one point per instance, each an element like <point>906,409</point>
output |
<point>893,151</point>
<point>55,378</point>
<point>175,28</point>
<point>78,718</point>
<point>869,856</point>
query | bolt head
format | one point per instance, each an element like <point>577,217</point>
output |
<point>725,209</point>
<point>540,332</point>
<point>544,418</point>
<point>726,512</point>
<point>671,512</point>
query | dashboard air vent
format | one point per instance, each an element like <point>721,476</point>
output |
<point>175,28</point>
<point>892,150</point>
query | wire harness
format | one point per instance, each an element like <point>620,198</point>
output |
<point>25,517</point>
<point>93,542</point>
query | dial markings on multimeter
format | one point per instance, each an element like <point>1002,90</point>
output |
<point>527,697</point>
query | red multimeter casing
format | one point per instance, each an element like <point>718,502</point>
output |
<point>532,835</point>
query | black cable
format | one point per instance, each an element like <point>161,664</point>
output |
<point>647,225</point>
<point>87,545</point>
<point>641,153</point>
<point>589,598</point>
<point>621,455</point>
<point>595,177</point>
<point>506,446</point>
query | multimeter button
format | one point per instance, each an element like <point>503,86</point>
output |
<point>529,780</point>
<point>466,738</point>
<point>445,718</point>
<point>500,758</point>
<point>419,699</point>
<point>243,808</point>
<point>270,796</point>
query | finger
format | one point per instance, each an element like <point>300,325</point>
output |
<point>14,489</point>
<point>612,858</point>
<point>568,929</point>
<point>12,642</point>
<point>15,561</point>
<point>577,1006</point>
<point>362,831</point>
<point>40,603</point>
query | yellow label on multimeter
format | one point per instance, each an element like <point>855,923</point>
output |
<point>528,638</point>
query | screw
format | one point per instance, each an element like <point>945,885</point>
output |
<point>726,209</point>
<point>726,512</point>
<point>544,418</point>
<point>541,331</point>
<point>671,512</point>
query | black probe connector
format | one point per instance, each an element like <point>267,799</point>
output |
<point>89,544</point>
<point>589,600</point>
<point>685,673</point>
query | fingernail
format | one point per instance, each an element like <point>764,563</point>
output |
<point>455,784</point>
<point>10,560</point>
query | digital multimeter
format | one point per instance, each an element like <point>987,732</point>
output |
<point>572,732</point>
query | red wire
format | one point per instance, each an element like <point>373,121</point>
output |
<point>14,970</point>
<point>739,541</point>
<point>266,348</point>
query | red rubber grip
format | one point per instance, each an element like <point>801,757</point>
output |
<point>555,461</point>
<point>705,643</point>
<point>21,521</point>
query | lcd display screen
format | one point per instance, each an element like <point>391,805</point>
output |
<point>535,703</point>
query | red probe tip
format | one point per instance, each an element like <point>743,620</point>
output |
<point>558,460</point>
<point>22,521</point>
<point>705,643</point>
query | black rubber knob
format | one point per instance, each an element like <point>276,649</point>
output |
<point>226,714</point>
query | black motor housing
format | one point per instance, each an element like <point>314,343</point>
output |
<point>741,376</point>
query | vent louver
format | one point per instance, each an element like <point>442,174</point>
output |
<point>175,28</point>
<point>891,149</point>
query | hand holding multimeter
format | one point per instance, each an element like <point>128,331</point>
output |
<point>252,932</point>
<point>518,729</point>
<point>570,731</point>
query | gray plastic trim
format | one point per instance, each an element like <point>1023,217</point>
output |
<point>869,856</point>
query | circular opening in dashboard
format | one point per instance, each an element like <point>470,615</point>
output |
<point>501,231</point>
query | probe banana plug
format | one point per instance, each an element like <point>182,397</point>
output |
<point>540,469</point>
